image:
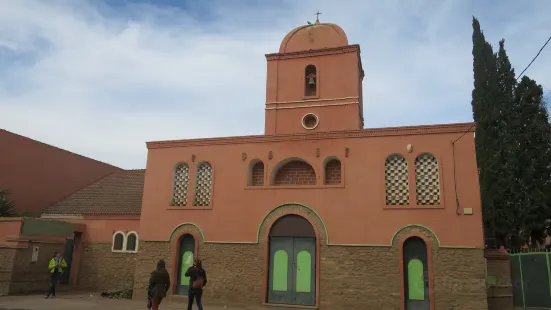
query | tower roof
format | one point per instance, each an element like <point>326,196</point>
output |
<point>313,37</point>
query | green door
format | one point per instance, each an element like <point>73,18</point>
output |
<point>187,249</point>
<point>292,271</point>
<point>416,276</point>
<point>305,271</point>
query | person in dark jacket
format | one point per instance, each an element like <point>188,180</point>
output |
<point>159,283</point>
<point>197,280</point>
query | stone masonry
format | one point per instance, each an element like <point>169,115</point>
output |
<point>7,257</point>
<point>102,269</point>
<point>351,277</point>
<point>32,277</point>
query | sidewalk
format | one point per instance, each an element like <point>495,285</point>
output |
<point>83,301</point>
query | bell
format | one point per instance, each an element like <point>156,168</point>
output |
<point>311,81</point>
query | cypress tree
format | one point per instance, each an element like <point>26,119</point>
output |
<point>486,115</point>
<point>532,159</point>
<point>513,145</point>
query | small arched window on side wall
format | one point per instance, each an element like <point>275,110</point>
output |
<point>180,185</point>
<point>256,173</point>
<point>310,80</point>
<point>132,242</point>
<point>203,185</point>
<point>396,179</point>
<point>427,180</point>
<point>118,242</point>
<point>332,171</point>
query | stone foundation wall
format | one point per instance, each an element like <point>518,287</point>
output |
<point>351,277</point>
<point>459,279</point>
<point>101,269</point>
<point>359,278</point>
<point>7,258</point>
<point>33,277</point>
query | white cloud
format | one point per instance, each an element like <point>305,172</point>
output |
<point>88,79</point>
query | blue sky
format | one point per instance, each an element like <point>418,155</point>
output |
<point>100,78</point>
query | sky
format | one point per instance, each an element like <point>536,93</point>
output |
<point>100,78</point>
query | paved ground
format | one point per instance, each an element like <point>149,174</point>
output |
<point>86,301</point>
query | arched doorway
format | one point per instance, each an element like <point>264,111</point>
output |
<point>416,274</point>
<point>292,262</point>
<point>185,260</point>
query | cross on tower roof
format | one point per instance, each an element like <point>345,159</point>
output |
<point>317,16</point>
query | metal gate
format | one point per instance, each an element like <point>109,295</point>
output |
<point>530,274</point>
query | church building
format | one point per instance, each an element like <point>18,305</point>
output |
<point>317,212</point>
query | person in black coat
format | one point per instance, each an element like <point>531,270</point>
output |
<point>197,280</point>
<point>159,283</point>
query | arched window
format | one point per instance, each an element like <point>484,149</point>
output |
<point>118,241</point>
<point>310,80</point>
<point>427,180</point>
<point>295,172</point>
<point>333,171</point>
<point>203,185</point>
<point>132,242</point>
<point>256,173</point>
<point>180,186</point>
<point>396,179</point>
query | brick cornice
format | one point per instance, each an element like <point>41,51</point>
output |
<point>355,48</point>
<point>363,133</point>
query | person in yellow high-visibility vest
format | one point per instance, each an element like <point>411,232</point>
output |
<point>57,266</point>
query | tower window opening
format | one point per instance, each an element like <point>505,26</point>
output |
<point>311,80</point>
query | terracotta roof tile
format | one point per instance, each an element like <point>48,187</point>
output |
<point>119,193</point>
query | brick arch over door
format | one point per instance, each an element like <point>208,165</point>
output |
<point>414,230</point>
<point>294,171</point>
<point>297,209</point>
<point>175,242</point>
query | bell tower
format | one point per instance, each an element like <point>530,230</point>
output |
<point>314,82</point>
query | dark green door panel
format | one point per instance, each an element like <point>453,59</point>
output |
<point>305,271</point>
<point>281,271</point>
<point>292,271</point>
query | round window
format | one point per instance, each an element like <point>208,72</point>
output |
<point>310,121</point>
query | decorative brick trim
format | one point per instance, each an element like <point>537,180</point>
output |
<point>403,233</point>
<point>355,48</point>
<point>283,210</point>
<point>187,228</point>
<point>311,136</point>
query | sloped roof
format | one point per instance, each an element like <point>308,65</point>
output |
<point>119,193</point>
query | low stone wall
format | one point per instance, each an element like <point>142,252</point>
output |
<point>7,257</point>
<point>101,269</point>
<point>33,277</point>
<point>351,277</point>
<point>500,287</point>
